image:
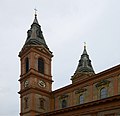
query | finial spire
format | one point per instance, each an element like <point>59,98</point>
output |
<point>84,45</point>
<point>84,67</point>
<point>35,20</point>
<point>85,63</point>
<point>84,51</point>
<point>35,12</point>
<point>35,35</point>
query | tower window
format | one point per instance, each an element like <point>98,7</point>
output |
<point>26,102</point>
<point>81,98</point>
<point>64,103</point>
<point>103,93</point>
<point>27,65</point>
<point>41,65</point>
<point>42,103</point>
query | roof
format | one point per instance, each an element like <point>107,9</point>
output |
<point>35,35</point>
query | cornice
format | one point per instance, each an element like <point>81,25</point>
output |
<point>111,72</point>
<point>33,72</point>
<point>35,48</point>
<point>34,90</point>
<point>86,105</point>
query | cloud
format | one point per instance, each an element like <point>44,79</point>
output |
<point>66,24</point>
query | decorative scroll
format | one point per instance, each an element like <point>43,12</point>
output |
<point>102,82</point>
<point>63,96</point>
<point>81,90</point>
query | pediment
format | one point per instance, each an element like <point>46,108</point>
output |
<point>44,50</point>
<point>80,90</point>
<point>79,75</point>
<point>102,82</point>
<point>37,48</point>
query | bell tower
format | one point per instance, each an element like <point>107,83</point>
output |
<point>35,79</point>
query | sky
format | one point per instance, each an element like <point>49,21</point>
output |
<point>66,25</point>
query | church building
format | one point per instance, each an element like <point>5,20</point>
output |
<point>90,94</point>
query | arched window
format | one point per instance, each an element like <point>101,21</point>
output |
<point>26,102</point>
<point>26,65</point>
<point>81,98</point>
<point>42,103</point>
<point>64,103</point>
<point>103,93</point>
<point>41,65</point>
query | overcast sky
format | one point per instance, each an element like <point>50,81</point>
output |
<point>66,25</point>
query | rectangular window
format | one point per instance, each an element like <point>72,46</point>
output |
<point>40,66</point>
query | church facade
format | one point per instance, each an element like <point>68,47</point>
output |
<point>89,94</point>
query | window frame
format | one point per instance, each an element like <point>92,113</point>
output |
<point>42,103</point>
<point>26,102</point>
<point>64,103</point>
<point>41,65</point>
<point>81,99</point>
<point>103,93</point>
<point>27,64</point>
